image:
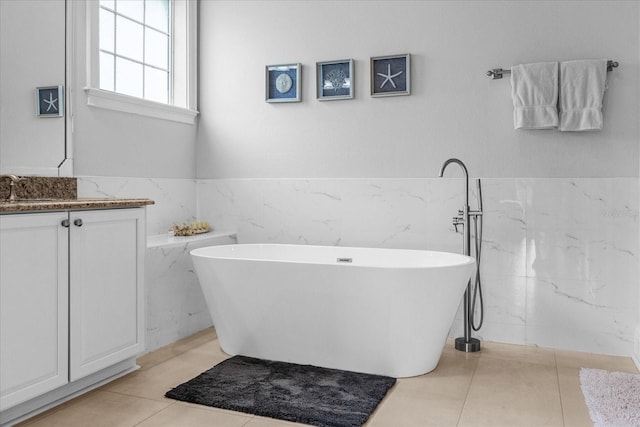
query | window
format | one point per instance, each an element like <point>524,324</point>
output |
<point>142,57</point>
<point>134,48</point>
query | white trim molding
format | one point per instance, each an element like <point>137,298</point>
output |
<point>183,103</point>
<point>130,104</point>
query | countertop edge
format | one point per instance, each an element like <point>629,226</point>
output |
<point>26,206</point>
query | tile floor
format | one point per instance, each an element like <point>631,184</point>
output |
<point>503,385</point>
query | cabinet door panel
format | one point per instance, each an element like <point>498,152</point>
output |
<point>105,284</point>
<point>33,306</point>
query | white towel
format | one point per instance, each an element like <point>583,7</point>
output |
<point>534,89</point>
<point>582,86</point>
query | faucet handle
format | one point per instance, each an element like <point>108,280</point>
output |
<point>456,221</point>
<point>13,178</point>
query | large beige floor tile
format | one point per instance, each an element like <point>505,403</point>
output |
<point>434,399</point>
<point>574,409</point>
<point>450,379</point>
<point>154,382</point>
<point>163,354</point>
<point>191,416</point>
<point>405,410</point>
<point>521,353</point>
<point>101,408</point>
<point>512,393</point>
<point>574,359</point>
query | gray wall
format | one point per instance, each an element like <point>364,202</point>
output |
<point>32,43</point>
<point>454,109</point>
<point>110,143</point>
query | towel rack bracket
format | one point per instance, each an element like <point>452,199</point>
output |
<point>495,73</point>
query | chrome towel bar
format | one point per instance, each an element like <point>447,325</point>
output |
<point>497,73</point>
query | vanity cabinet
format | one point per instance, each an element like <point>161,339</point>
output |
<point>34,286</point>
<point>71,300</point>
<point>106,301</point>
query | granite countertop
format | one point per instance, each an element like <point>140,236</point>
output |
<point>31,205</point>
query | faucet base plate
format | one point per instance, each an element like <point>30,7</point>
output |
<point>470,346</point>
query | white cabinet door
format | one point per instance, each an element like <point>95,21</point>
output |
<point>106,288</point>
<point>33,305</point>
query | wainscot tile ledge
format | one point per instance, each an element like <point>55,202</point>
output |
<point>167,240</point>
<point>70,204</point>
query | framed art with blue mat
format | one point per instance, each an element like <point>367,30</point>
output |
<point>50,101</point>
<point>391,75</point>
<point>334,79</point>
<point>283,83</point>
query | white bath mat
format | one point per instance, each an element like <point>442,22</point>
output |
<point>613,398</point>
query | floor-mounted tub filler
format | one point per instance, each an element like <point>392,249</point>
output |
<point>379,311</point>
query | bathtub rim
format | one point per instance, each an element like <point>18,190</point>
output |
<point>461,259</point>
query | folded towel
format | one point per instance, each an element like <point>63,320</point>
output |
<point>534,89</point>
<point>582,86</point>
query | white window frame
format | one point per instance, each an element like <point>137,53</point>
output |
<point>184,78</point>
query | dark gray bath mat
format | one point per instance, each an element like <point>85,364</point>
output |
<point>300,393</point>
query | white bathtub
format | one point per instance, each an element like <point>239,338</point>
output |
<point>380,311</point>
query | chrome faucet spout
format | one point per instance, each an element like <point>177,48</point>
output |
<point>12,186</point>
<point>465,209</point>
<point>458,162</point>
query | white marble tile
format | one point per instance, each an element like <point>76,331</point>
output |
<point>175,305</point>
<point>504,300</point>
<point>504,234</point>
<point>175,199</point>
<point>582,228</point>
<point>581,315</point>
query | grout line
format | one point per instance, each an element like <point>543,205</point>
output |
<point>466,396</point>
<point>154,414</point>
<point>555,360</point>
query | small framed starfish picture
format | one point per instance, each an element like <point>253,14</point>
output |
<point>283,83</point>
<point>50,101</point>
<point>391,75</point>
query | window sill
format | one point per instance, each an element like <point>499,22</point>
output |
<point>129,104</point>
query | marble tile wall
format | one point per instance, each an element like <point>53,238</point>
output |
<point>175,199</point>
<point>175,306</point>
<point>559,256</point>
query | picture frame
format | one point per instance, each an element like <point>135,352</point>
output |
<point>283,82</point>
<point>50,101</point>
<point>391,75</point>
<point>335,80</point>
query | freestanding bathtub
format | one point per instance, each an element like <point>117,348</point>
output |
<point>379,311</point>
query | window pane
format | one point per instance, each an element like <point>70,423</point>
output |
<point>157,14</point>
<point>108,3</point>
<point>128,38</point>
<point>156,47</point>
<point>156,85</point>
<point>134,9</point>
<point>106,71</point>
<point>106,30</point>
<point>128,77</point>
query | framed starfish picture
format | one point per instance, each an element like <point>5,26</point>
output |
<point>391,75</point>
<point>50,101</point>
<point>283,83</point>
